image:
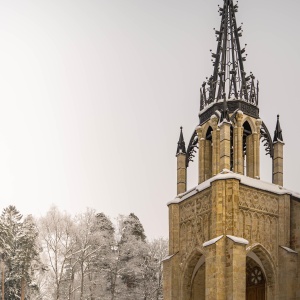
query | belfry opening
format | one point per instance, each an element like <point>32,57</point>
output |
<point>232,236</point>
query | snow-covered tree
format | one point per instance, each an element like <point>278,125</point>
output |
<point>57,239</point>
<point>20,252</point>
<point>88,258</point>
<point>102,245</point>
<point>158,250</point>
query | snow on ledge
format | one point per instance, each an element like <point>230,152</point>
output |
<point>238,240</point>
<point>213,241</point>
<point>169,256</point>
<point>227,174</point>
<point>288,249</point>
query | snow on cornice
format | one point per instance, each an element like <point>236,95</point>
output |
<point>238,240</point>
<point>212,241</point>
<point>245,180</point>
<point>289,249</point>
<point>169,257</point>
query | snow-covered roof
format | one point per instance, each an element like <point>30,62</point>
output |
<point>226,174</point>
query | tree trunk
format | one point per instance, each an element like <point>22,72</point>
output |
<point>22,288</point>
<point>82,280</point>
<point>3,277</point>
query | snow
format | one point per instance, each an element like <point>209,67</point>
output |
<point>238,240</point>
<point>288,249</point>
<point>279,141</point>
<point>213,241</point>
<point>224,122</point>
<point>220,101</point>
<point>245,180</point>
<point>169,256</point>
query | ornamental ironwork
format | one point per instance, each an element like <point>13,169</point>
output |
<point>229,78</point>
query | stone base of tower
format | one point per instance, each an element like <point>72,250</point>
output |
<point>234,237</point>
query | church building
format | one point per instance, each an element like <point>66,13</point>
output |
<point>233,236</point>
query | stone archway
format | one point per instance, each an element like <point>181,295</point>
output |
<point>264,263</point>
<point>255,281</point>
<point>193,277</point>
<point>198,284</point>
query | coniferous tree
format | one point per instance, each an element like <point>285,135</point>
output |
<point>102,242</point>
<point>132,251</point>
<point>20,252</point>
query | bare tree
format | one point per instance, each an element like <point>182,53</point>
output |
<point>158,250</point>
<point>88,259</point>
<point>56,235</point>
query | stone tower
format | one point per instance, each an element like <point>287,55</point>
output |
<point>233,236</point>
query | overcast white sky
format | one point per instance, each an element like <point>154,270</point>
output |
<point>92,95</point>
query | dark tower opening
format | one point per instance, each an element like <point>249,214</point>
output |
<point>247,151</point>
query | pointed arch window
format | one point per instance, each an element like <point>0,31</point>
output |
<point>248,151</point>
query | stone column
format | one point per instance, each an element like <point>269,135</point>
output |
<point>173,228</point>
<point>256,139</point>
<point>225,145</point>
<point>236,267</point>
<point>215,145</point>
<point>207,159</point>
<point>235,147</point>
<point>215,269</point>
<point>201,156</point>
<point>238,145</point>
<point>181,173</point>
<point>250,156</point>
<point>171,273</point>
<point>278,163</point>
<point>295,236</point>
<point>287,279</point>
<point>255,145</point>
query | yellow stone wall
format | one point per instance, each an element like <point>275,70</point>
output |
<point>214,156</point>
<point>266,224</point>
<point>267,220</point>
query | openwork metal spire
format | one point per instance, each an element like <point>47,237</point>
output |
<point>229,79</point>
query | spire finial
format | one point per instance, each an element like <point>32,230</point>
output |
<point>229,75</point>
<point>181,144</point>
<point>278,132</point>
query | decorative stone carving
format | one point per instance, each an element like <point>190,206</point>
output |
<point>195,220</point>
<point>194,207</point>
<point>260,202</point>
<point>258,218</point>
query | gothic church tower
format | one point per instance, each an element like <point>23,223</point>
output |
<point>232,236</point>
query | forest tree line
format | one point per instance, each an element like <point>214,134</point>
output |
<point>86,256</point>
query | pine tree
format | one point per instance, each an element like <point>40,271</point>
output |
<point>20,250</point>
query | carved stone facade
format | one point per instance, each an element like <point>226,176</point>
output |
<point>232,226</point>
<point>229,230</point>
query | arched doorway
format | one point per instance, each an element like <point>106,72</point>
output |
<point>193,277</point>
<point>255,281</point>
<point>198,284</point>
